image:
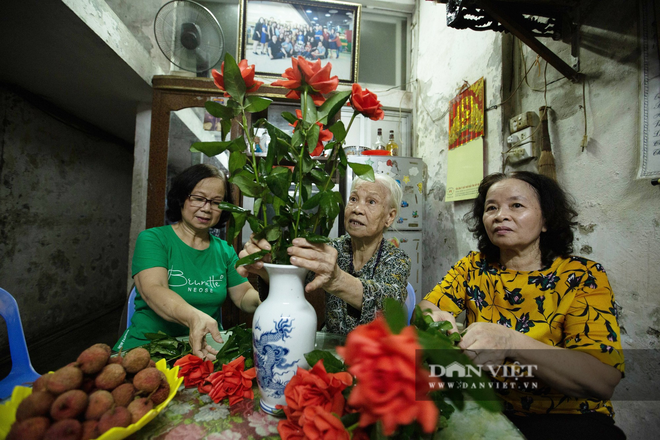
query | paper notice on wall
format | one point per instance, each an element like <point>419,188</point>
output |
<point>649,163</point>
<point>466,115</point>
<point>465,170</point>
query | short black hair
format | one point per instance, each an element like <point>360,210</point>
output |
<point>556,206</point>
<point>183,184</point>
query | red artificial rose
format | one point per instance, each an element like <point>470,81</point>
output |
<point>388,380</point>
<point>324,135</point>
<point>366,103</point>
<point>247,72</point>
<point>316,388</point>
<point>319,424</point>
<point>289,430</point>
<point>194,371</point>
<point>232,382</point>
<point>304,73</point>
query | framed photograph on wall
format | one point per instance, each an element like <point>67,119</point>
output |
<point>273,31</point>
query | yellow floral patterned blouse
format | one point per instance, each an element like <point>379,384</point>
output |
<point>569,304</point>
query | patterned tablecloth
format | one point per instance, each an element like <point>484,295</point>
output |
<point>194,416</point>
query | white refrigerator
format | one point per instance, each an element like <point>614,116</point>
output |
<point>406,233</point>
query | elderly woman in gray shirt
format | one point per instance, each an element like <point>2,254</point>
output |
<point>358,270</point>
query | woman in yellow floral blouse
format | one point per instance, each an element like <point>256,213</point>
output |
<point>527,300</point>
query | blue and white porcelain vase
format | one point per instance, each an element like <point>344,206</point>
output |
<point>283,331</point>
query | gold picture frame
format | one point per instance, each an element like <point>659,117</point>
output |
<point>272,31</point>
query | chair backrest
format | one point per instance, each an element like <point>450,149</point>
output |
<point>21,368</point>
<point>411,301</point>
<point>130,306</point>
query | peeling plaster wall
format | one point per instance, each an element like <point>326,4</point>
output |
<point>441,70</point>
<point>619,215</point>
<point>65,199</point>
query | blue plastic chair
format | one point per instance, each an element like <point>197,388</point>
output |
<point>411,301</point>
<point>22,372</point>
<point>130,306</point>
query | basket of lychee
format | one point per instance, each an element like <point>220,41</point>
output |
<point>98,396</point>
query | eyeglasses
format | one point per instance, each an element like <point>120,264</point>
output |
<point>199,202</point>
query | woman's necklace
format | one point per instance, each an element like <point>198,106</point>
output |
<point>351,268</point>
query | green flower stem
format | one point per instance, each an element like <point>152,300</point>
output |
<point>303,103</point>
<point>250,139</point>
<point>335,151</point>
<point>353,427</point>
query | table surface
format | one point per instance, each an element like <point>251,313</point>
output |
<point>191,415</point>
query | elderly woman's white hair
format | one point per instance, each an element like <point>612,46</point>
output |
<point>393,188</point>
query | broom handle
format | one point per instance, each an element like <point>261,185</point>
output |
<point>545,134</point>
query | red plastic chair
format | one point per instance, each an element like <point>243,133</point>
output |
<point>22,372</point>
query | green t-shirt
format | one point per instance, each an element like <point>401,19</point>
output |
<point>199,277</point>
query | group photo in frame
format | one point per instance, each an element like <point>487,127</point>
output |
<point>273,31</point>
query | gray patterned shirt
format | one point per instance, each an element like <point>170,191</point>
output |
<point>384,277</point>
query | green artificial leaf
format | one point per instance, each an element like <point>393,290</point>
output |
<point>218,110</point>
<point>245,182</point>
<point>314,238</point>
<point>313,201</point>
<point>277,205</point>
<point>289,117</point>
<point>328,206</point>
<point>298,138</point>
<point>336,195</point>
<point>318,176</point>
<point>395,315</point>
<point>308,109</point>
<point>332,105</point>
<point>238,344</point>
<point>307,163</point>
<point>439,350</point>
<point>279,181</point>
<point>330,362</point>
<point>364,171</point>
<point>211,149</point>
<point>313,137</point>
<point>283,138</point>
<point>338,130</point>
<point>156,336</point>
<point>350,419</point>
<point>255,223</point>
<point>237,161</point>
<point>270,233</point>
<point>225,206</point>
<point>166,347</point>
<point>343,160</point>
<point>238,145</point>
<point>233,80</point>
<point>252,258</point>
<point>239,219</point>
<point>420,320</point>
<point>256,208</point>
<point>256,103</point>
<point>225,127</point>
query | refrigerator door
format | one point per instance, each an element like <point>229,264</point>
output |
<point>410,173</point>
<point>411,243</point>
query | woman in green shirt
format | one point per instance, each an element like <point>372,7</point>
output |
<point>183,273</point>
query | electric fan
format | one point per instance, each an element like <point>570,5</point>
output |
<point>189,36</point>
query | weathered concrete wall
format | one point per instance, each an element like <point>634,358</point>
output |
<point>65,197</point>
<point>444,59</point>
<point>619,215</point>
